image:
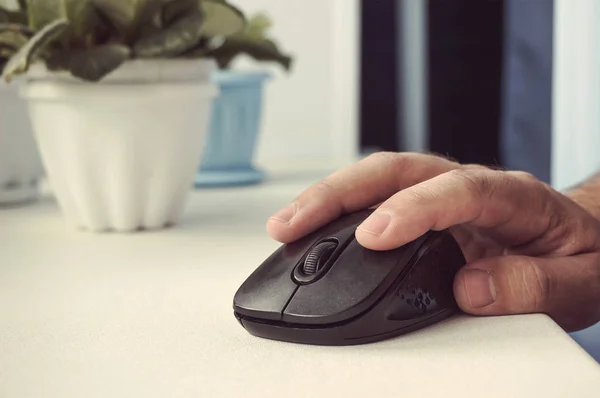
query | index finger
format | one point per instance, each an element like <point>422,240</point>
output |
<point>514,208</point>
<point>359,186</point>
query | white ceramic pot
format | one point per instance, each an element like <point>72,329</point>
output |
<point>20,165</point>
<point>121,154</point>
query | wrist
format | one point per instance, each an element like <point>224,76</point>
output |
<point>585,200</point>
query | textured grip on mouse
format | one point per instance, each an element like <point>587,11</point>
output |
<point>428,290</point>
<point>318,257</point>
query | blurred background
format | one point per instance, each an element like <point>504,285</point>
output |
<point>493,82</point>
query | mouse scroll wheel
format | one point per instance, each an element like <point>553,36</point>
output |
<point>317,257</point>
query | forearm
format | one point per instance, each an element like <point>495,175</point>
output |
<point>587,195</point>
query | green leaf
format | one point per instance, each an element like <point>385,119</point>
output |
<point>158,15</point>
<point>94,64</point>
<point>176,9</point>
<point>253,41</point>
<point>122,13</point>
<point>7,51</point>
<point>80,14</point>
<point>13,40</point>
<point>179,37</point>
<point>58,60</point>
<point>91,65</point>
<point>12,16</point>
<point>222,18</point>
<point>20,62</point>
<point>129,15</point>
<point>204,46</point>
<point>261,50</point>
<point>15,27</point>
<point>258,26</point>
<point>5,54</point>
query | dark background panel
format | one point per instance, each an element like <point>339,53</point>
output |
<point>379,74</point>
<point>465,78</point>
<point>465,62</point>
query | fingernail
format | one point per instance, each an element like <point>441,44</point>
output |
<point>479,286</point>
<point>285,215</point>
<point>377,223</point>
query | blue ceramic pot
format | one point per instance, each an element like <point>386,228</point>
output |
<point>233,132</point>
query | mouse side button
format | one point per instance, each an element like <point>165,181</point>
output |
<point>428,288</point>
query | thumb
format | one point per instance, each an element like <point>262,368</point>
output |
<point>565,288</point>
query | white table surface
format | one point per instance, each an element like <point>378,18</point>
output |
<point>150,315</point>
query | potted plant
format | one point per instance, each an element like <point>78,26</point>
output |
<point>236,116</point>
<point>20,166</point>
<point>119,94</point>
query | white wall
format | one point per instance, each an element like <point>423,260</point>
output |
<point>11,4</point>
<point>311,112</point>
<point>576,114</point>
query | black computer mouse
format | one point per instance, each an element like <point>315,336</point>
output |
<point>327,289</point>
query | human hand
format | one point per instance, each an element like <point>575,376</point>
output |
<point>529,248</point>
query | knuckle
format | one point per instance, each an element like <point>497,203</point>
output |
<point>475,167</point>
<point>324,190</point>
<point>524,176</point>
<point>484,183</point>
<point>316,192</point>
<point>399,162</point>
<point>422,195</point>
<point>385,157</point>
<point>324,185</point>
<point>473,179</point>
<point>323,193</point>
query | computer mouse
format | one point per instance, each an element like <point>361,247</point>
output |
<point>327,289</point>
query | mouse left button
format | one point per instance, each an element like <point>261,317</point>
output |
<point>268,289</point>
